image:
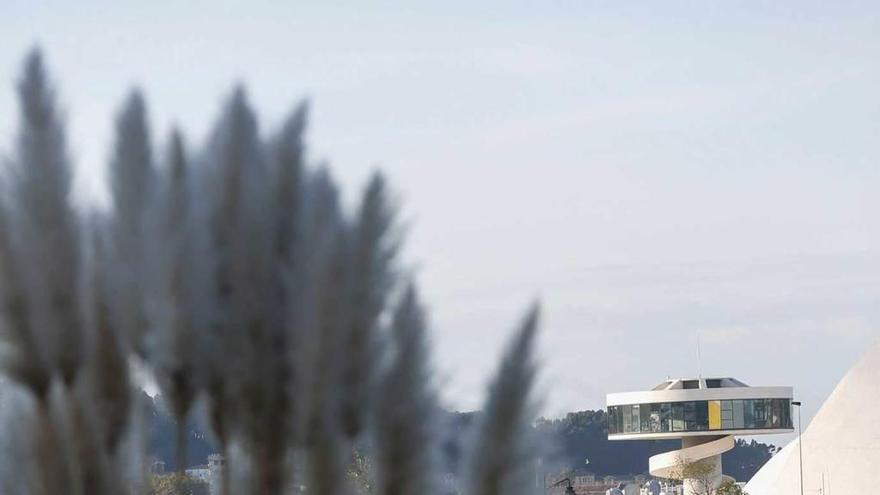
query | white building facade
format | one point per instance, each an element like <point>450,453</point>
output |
<point>705,414</point>
<point>841,446</point>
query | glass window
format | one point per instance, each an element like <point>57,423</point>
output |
<point>702,413</point>
<point>690,384</point>
<point>690,416</point>
<point>775,413</point>
<point>748,413</point>
<point>726,415</point>
<point>612,420</point>
<point>666,417</point>
<point>677,416</point>
<point>655,418</point>
<point>645,410</point>
<point>726,409</point>
<point>635,418</point>
<point>738,419</point>
<point>700,416</point>
<point>759,413</point>
<point>713,383</point>
<point>786,413</point>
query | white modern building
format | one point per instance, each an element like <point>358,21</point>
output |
<point>210,473</point>
<point>841,446</point>
<point>705,413</point>
<point>201,473</point>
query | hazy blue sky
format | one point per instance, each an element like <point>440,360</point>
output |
<point>652,171</point>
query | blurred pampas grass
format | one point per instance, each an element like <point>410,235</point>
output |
<point>235,276</point>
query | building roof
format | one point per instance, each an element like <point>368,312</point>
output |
<point>698,383</point>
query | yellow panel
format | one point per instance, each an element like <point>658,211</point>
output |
<point>714,414</point>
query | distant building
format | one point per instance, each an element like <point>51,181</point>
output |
<point>157,467</point>
<point>201,473</point>
<point>705,413</point>
<point>584,480</point>
<point>210,473</point>
<point>216,461</point>
<point>216,465</point>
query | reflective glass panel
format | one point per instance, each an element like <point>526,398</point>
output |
<point>635,418</point>
<point>677,416</point>
<point>666,417</point>
<point>738,414</point>
<point>726,415</point>
<point>690,416</point>
<point>748,413</point>
<point>645,414</point>
<point>738,419</point>
<point>655,418</point>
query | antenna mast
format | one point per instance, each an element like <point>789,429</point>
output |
<point>699,358</point>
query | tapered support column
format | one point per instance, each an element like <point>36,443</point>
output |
<point>710,479</point>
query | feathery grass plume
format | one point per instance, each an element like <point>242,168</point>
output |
<point>50,253</point>
<point>27,433</point>
<point>84,424</point>
<point>374,248</point>
<point>319,307</point>
<point>49,452</point>
<point>220,180</point>
<point>406,404</point>
<point>106,378</point>
<point>256,289</point>
<point>132,182</point>
<point>500,462</point>
<point>17,476</point>
<point>320,314</point>
<point>177,315</point>
<point>230,149</point>
<point>290,249</point>
<point>289,163</point>
<point>262,382</point>
<point>95,468</point>
<point>319,226</point>
<point>293,257</point>
<point>23,357</point>
<point>326,461</point>
<point>41,291</point>
<point>269,412</point>
<point>247,275</point>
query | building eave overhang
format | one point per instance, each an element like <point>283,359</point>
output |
<point>683,395</point>
<point>675,435</point>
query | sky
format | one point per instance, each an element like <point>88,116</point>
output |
<point>658,174</point>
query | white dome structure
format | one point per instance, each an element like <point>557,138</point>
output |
<point>841,446</point>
